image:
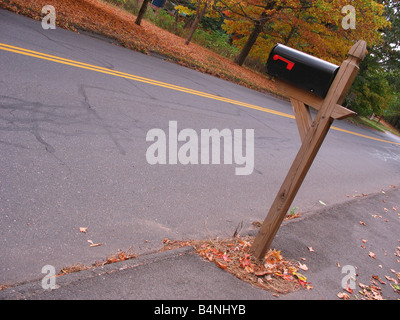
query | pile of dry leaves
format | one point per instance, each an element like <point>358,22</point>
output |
<point>115,23</point>
<point>274,273</point>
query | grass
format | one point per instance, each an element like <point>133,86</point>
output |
<point>374,124</point>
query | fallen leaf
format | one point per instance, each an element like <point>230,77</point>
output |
<point>249,269</point>
<point>268,266</point>
<point>321,202</point>
<point>362,223</point>
<point>372,255</point>
<point>377,278</point>
<point>287,277</point>
<point>93,244</point>
<point>245,262</point>
<point>363,240</point>
<point>396,287</point>
<point>83,229</point>
<point>348,289</point>
<point>343,295</point>
<point>221,265</point>
<point>390,279</point>
<point>303,267</point>
<point>225,257</point>
<point>310,249</point>
<point>300,276</point>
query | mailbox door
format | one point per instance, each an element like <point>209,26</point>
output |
<point>302,70</point>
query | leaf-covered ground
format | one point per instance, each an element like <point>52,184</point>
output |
<point>115,23</point>
<point>273,273</point>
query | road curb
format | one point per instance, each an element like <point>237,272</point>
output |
<point>31,288</point>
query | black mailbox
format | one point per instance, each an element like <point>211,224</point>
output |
<point>301,69</point>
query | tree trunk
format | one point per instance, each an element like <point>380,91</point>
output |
<point>142,11</point>
<point>289,36</point>
<point>258,26</point>
<point>193,28</point>
<point>189,22</point>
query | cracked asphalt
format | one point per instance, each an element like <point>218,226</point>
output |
<point>73,146</point>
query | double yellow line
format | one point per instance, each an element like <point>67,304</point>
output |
<point>86,66</point>
<point>82,65</point>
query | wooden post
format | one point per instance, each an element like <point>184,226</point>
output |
<point>312,135</point>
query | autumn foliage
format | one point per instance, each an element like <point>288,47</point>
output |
<point>115,23</point>
<point>312,26</point>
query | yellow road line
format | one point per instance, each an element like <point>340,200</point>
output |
<point>364,136</point>
<point>133,77</point>
<point>86,66</point>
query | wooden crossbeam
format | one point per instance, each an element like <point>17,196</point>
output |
<point>313,135</point>
<point>289,90</point>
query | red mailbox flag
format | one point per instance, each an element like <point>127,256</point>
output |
<point>290,64</point>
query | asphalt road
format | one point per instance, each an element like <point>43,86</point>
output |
<point>73,153</point>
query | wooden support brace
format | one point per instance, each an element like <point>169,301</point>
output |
<point>311,142</point>
<point>303,117</point>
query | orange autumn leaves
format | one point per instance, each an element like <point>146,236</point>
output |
<point>272,273</point>
<point>314,27</point>
<point>102,18</point>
